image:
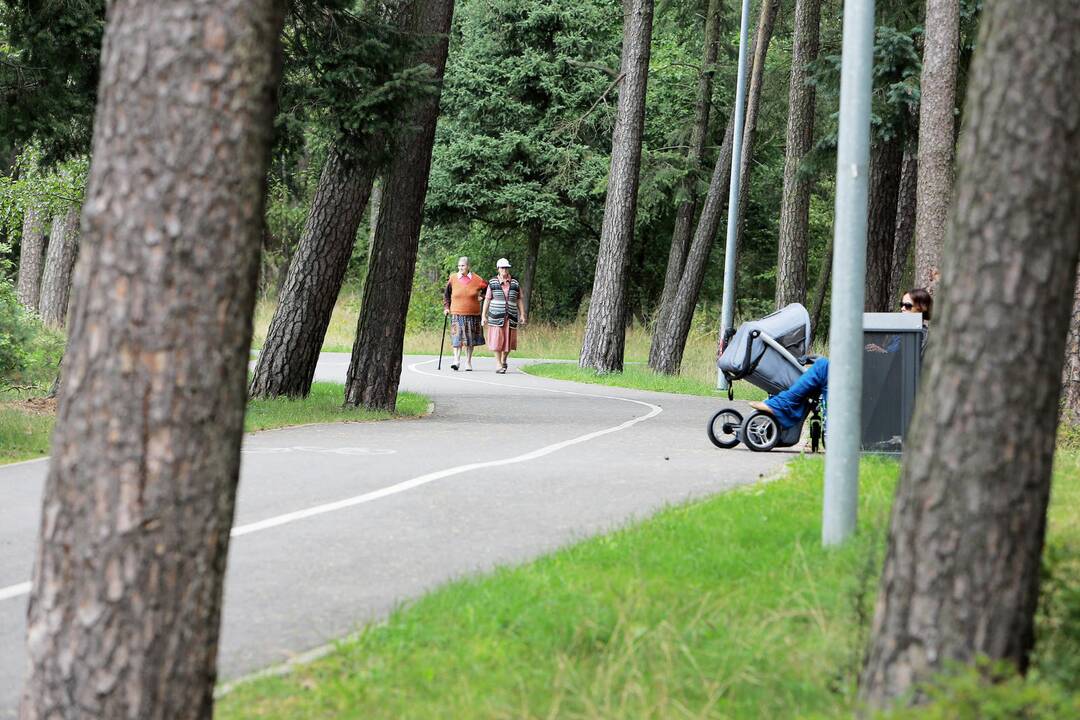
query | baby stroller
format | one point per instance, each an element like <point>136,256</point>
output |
<point>771,354</point>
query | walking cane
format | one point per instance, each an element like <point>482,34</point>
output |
<point>445,320</point>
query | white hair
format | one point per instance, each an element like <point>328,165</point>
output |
<point>463,259</point>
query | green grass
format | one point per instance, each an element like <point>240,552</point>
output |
<point>726,608</point>
<point>641,377</point>
<point>539,340</point>
<point>25,435</point>
<point>323,405</point>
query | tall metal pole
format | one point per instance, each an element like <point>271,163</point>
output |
<point>844,428</point>
<point>728,310</point>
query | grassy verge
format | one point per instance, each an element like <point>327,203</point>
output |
<point>539,340</point>
<point>724,608</point>
<point>321,406</point>
<point>24,432</point>
<point>642,378</point>
<point>727,608</point>
<point>26,425</point>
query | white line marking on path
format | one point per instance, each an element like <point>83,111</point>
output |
<point>15,591</point>
<point>406,485</point>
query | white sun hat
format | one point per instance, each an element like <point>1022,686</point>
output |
<point>503,262</point>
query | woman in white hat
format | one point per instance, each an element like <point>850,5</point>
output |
<point>502,314</point>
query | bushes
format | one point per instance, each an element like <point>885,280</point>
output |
<point>991,691</point>
<point>16,331</point>
<point>29,352</point>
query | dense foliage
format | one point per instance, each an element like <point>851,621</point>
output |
<point>524,135</point>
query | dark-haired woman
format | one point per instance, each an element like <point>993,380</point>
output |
<point>502,314</point>
<point>789,406</point>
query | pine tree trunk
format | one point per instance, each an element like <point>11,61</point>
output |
<point>138,502</point>
<point>795,205</point>
<point>59,263</point>
<point>759,51</point>
<point>905,218</point>
<point>936,137</point>
<point>961,575</point>
<point>1071,376</point>
<point>375,367</point>
<point>684,214</point>
<point>821,289</point>
<point>886,163</point>
<point>605,327</point>
<point>533,255</point>
<point>287,362</point>
<point>373,217</point>
<point>31,259</point>
<point>669,338</point>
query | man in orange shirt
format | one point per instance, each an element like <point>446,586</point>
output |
<point>461,301</point>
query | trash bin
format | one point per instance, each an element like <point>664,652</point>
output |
<point>892,356</point>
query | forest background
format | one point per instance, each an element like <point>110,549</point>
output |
<point>522,149</point>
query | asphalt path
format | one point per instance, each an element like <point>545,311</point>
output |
<point>338,524</point>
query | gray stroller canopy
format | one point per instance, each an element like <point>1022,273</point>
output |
<point>761,364</point>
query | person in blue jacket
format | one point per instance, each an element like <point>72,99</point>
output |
<point>789,406</point>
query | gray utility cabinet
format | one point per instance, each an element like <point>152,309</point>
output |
<point>892,357</point>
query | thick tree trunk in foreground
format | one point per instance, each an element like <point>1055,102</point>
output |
<point>961,575</point>
<point>375,367</point>
<point>532,256</point>
<point>605,328</point>
<point>886,165</point>
<point>31,258</point>
<point>795,206</point>
<point>123,618</point>
<point>669,338</point>
<point>1070,379</point>
<point>684,214</point>
<point>287,362</point>
<point>937,121</point>
<point>59,264</point>
<point>905,220</point>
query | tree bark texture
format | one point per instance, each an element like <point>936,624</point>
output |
<point>59,263</point>
<point>937,120</point>
<point>532,256</point>
<point>669,338</point>
<point>287,362</point>
<point>1070,385</point>
<point>375,367</point>
<point>684,214</point>
<point>886,166</point>
<point>127,584</point>
<point>373,218</point>
<point>821,289</point>
<point>961,574</point>
<point>605,327</point>
<point>905,218</point>
<point>795,204</point>
<point>31,258</point>
<point>760,49</point>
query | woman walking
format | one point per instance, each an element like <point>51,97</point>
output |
<point>502,314</point>
<point>461,301</point>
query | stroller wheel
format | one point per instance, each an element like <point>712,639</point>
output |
<point>760,432</point>
<point>723,428</point>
